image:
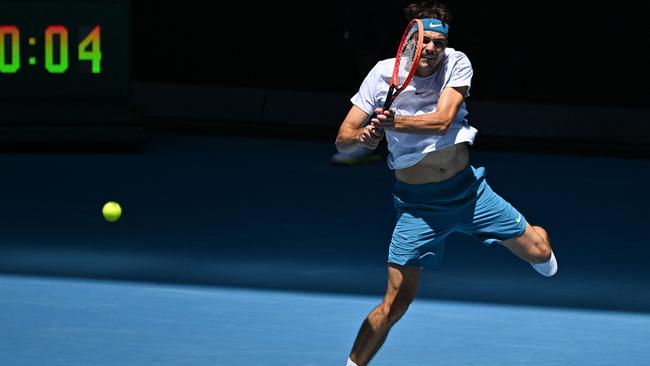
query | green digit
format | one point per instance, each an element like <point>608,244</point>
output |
<point>50,65</point>
<point>14,64</point>
<point>94,55</point>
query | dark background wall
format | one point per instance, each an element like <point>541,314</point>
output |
<point>538,52</point>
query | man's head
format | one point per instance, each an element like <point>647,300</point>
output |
<point>435,20</point>
<point>434,42</point>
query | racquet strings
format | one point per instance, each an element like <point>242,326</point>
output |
<point>407,56</point>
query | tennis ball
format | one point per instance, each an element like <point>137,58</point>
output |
<point>112,211</point>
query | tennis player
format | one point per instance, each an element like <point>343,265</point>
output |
<point>436,191</point>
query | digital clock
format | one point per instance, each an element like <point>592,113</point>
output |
<point>64,60</point>
<point>56,49</point>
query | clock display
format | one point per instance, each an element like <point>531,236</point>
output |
<point>56,44</point>
<point>70,48</point>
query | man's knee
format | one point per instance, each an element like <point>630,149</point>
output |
<point>540,255</point>
<point>542,233</point>
<point>398,307</point>
<point>402,287</point>
<point>542,249</point>
<point>394,312</point>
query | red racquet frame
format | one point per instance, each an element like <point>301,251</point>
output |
<point>396,89</point>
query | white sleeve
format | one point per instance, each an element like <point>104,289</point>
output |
<point>461,73</point>
<point>365,98</point>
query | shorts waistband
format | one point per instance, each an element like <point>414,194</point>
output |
<point>459,186</point>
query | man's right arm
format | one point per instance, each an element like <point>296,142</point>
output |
<point>354,131</point>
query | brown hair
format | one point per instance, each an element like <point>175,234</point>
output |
<point>427,9</point>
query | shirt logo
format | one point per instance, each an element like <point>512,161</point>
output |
<point>518,219</point>
<point>422,92</point>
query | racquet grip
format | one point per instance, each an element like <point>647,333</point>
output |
<point>389,101</point>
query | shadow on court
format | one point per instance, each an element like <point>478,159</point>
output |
<point>274,214</point>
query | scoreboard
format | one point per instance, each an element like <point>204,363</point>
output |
<point>64,62</point>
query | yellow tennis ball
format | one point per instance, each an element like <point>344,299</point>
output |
<point>112,211</point>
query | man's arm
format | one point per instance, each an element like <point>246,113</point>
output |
<point>438,122</point>
<point>354,131</point>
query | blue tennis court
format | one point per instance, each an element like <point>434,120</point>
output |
<point>265,266</point>
<point>80,322</point>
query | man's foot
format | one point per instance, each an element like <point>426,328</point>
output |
<point>360,155</point>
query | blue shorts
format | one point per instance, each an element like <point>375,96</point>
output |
<point>428,213</point>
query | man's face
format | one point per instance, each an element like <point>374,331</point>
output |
<point>433,51</point>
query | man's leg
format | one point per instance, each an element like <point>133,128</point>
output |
<point>534,247</point>
<point>402,286</point>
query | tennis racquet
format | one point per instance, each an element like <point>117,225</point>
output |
<point>406,61</point>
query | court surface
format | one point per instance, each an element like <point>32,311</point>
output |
<point>65,322</point>
<point>235,251</point>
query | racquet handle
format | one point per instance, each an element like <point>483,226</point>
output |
<point>389,101</point>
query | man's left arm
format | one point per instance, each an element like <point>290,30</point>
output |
<point>437,123</point>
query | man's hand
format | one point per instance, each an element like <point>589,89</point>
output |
<point>384,120</point>
<point>370,136</point>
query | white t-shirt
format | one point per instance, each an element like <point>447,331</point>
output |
<point>419,97</point>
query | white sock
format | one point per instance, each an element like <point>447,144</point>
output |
<point>350,363</point>
<point>548,268</point>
